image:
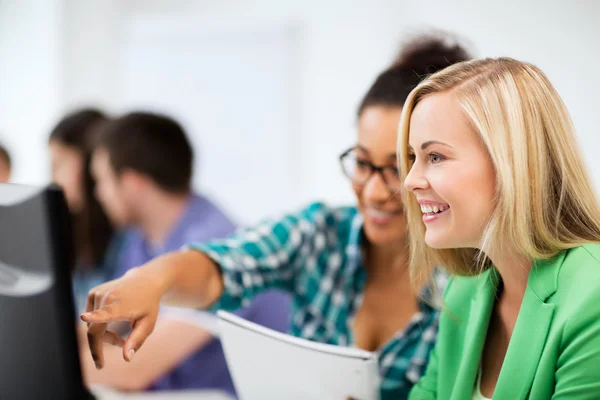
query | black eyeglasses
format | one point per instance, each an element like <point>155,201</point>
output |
<point>359,171</point>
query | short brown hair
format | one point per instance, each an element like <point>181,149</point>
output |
<point>153,145</point>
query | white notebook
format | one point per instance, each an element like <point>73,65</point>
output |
<point>266,364</point>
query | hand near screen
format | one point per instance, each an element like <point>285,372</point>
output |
<point>134,298</point>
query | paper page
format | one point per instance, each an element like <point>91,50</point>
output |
<point>270,365</point>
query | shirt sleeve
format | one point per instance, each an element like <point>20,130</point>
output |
<point>270,255</point>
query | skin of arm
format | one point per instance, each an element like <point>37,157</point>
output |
<point>172,341</point>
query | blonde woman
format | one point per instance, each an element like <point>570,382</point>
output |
<point>499,195</point>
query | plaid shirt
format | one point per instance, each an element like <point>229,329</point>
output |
<point>316,256</point>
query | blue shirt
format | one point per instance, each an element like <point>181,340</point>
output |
<point>316,256</point>
<point>85,277</point>
<point>201,221</point>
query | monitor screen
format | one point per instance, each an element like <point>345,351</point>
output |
<point>38,348</point>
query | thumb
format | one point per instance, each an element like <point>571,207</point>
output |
<point>141,330</point>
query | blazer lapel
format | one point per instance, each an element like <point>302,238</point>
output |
<point>476,329</point>
<point>530,333</point>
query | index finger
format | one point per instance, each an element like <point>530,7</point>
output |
<point>104,316</point>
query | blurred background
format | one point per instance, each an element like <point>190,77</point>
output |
<point>266,89</point>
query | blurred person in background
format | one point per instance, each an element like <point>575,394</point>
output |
<point>345,267</point>
<point>5,165</point>
<point>143,166</point>
<point>70,147</point>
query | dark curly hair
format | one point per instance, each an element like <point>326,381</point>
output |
<point>418,58</point>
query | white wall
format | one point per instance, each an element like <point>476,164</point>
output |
<point>344,45</point>
<point>234,87</point>
<point>31,62</point>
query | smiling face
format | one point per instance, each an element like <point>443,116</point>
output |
<point>452,175</point>
<point>381,207</point>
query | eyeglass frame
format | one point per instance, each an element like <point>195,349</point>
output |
<point>373,168</point>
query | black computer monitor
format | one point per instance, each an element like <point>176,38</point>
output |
<point>38,345</point>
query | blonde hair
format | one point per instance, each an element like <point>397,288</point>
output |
<point>544,201</point>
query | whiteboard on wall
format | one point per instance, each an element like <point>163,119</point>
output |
<point>235,89</point>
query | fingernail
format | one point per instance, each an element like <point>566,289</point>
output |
<point>130,354</point>
<point>86,315</point>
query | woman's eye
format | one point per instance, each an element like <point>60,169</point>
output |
<point>411,158</point>
<point>435,158</point>
<point>362,164</point>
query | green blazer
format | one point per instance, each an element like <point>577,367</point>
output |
<point>554,351</point>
